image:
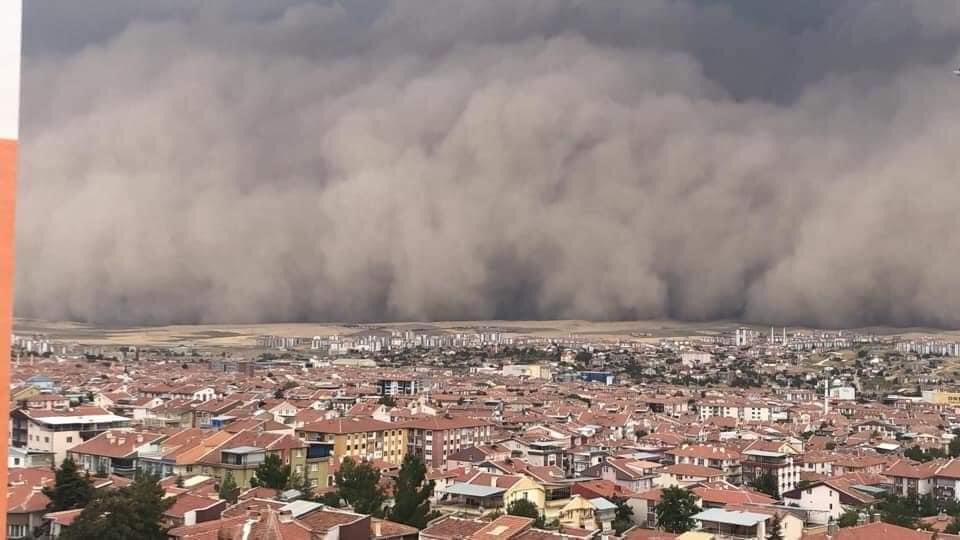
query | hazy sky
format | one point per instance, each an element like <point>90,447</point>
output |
<point>234,161</point>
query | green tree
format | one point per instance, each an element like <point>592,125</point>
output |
<point>766,483</point>
<point>901,511</point>
<point>389,401</point>
<point>849,518</point>
<point>775,529</point>
<point>919,454</point>
<point>954,448</point>
<point>623,519</point>
<point>359,485</point>
<point>954,526</point>
<point>229,490</point>
<point>70,489</point>
<point>131,513</point>
<point>525,508</point>
<point>301,484</point>
<point>927,505</point>
<point>676,509</point>
<point>412,494</point>
<point>330,498</point>
<point>272,473</point>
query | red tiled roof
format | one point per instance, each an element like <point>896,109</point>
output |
<point>872,531</point>
<point>348,425</point>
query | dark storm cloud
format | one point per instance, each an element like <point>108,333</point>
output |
<point>406,159</point>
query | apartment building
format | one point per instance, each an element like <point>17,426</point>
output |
<point>357,438</point>
<point>57,432</point>
<point>756,411</point>
<point>780,460</point>
<point>397,386</point>
<point>716,457</point>
<point>437,437</point>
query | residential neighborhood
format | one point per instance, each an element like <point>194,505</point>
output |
<point>744,441</point>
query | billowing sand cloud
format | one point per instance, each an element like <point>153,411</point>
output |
<point>411,159</point>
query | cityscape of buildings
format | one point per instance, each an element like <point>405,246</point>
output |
<point>797,429</point>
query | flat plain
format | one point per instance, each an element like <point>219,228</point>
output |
<point>244,335</point>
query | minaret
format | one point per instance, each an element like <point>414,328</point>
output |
<point>826,396</point>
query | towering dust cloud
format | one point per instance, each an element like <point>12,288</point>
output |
<point>404,159</point>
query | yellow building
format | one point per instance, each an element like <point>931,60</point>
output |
<point>194,452</point>
<point>525,488</point>
<point>23,392</point>
<point>484,493</point>
<point>242,462</point>
<point>941,398</point>
<point>357,438</point>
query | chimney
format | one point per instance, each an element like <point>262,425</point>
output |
<point>378,528</point>
<point>286,516</point>
<point>493,481</point>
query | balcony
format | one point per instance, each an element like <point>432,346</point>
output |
<point>319,450</point>
<point>243,457</point>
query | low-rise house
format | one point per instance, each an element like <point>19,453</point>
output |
<point>58,522</point>
<point>825,501</point>
<point>190,509</point>
<point>47,402</point>
<point>686,475</point>
<point>733,524</point>
<point>588,514</point>
<point>113,452</point>
<point>26,505</point>
<point>631,474</point>
<point>482,493</point>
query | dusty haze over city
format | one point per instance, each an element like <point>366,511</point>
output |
<point>255,161</point>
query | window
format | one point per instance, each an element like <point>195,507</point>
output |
<point>46,439</point>
<point>69,439</point>
<point>16,531</point>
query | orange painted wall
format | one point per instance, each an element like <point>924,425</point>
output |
<point>8,169</point>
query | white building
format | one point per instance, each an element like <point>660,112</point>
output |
<point>59,431</point>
